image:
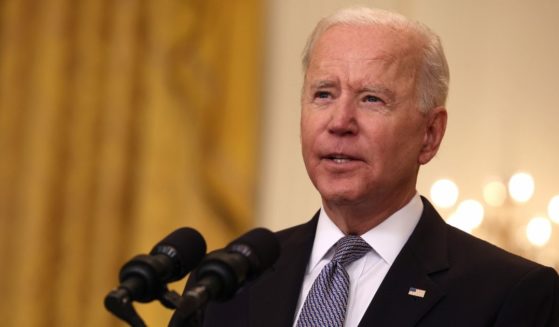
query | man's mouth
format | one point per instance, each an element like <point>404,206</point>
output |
<point>340,158</point>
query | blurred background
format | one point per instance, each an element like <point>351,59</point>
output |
<point>121,121</point>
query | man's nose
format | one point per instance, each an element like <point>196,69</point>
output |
<point>343,120</point>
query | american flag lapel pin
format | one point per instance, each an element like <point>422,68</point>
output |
<point>417,292</point>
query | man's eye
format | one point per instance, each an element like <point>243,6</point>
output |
<point>322,95</point>
<point>371,98</point>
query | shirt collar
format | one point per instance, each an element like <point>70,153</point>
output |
<point>387,238</point>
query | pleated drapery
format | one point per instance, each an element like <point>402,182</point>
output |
<point>119,122</point>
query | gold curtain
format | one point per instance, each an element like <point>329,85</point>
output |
<point>119,122</point>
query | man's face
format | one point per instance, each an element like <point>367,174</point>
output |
<point>363,135</point>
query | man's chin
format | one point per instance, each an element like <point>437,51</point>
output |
<point>340,197</point>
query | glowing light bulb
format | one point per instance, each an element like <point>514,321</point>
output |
<point>538,231</point>
<point>521,187</point>
<point>473,211</point>
<point>468,216</point>
<point>444,193</point>
<point>495,193</point>
<point>459,222</point>
<point>553,209</point>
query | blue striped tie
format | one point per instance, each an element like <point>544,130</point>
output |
<point>326,302</point>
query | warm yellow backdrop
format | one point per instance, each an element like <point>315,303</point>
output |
<point>119,122</point>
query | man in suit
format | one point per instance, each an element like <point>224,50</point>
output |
<point>373,111</point>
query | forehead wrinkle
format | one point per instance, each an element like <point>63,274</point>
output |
<point>329,71</point>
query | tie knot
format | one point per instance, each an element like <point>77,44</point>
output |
<point>350,248</point>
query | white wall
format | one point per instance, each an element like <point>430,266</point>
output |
<point>503,103</point>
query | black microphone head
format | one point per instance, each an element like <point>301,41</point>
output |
<point>186,247</point>
<point>260,246</point>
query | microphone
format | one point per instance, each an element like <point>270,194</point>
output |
<point>145,277</point>
<point>222,272</point>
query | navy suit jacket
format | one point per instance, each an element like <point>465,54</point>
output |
<point>468,282</point>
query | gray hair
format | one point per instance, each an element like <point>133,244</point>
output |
<point>433,74</point>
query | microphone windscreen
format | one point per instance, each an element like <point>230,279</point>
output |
<point>260,245</point>
<point>186,246</point>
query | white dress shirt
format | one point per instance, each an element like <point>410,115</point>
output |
<point>366,274</point>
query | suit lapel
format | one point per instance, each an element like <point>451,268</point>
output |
<point>424,254</point>
<point>274,298</point>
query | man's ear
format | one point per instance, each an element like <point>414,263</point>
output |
<point>434,132</point>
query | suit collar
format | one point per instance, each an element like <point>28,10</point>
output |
<point>425,253</point>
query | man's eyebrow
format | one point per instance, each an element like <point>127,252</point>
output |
<point>323,84</point>
<point>379,89</point>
